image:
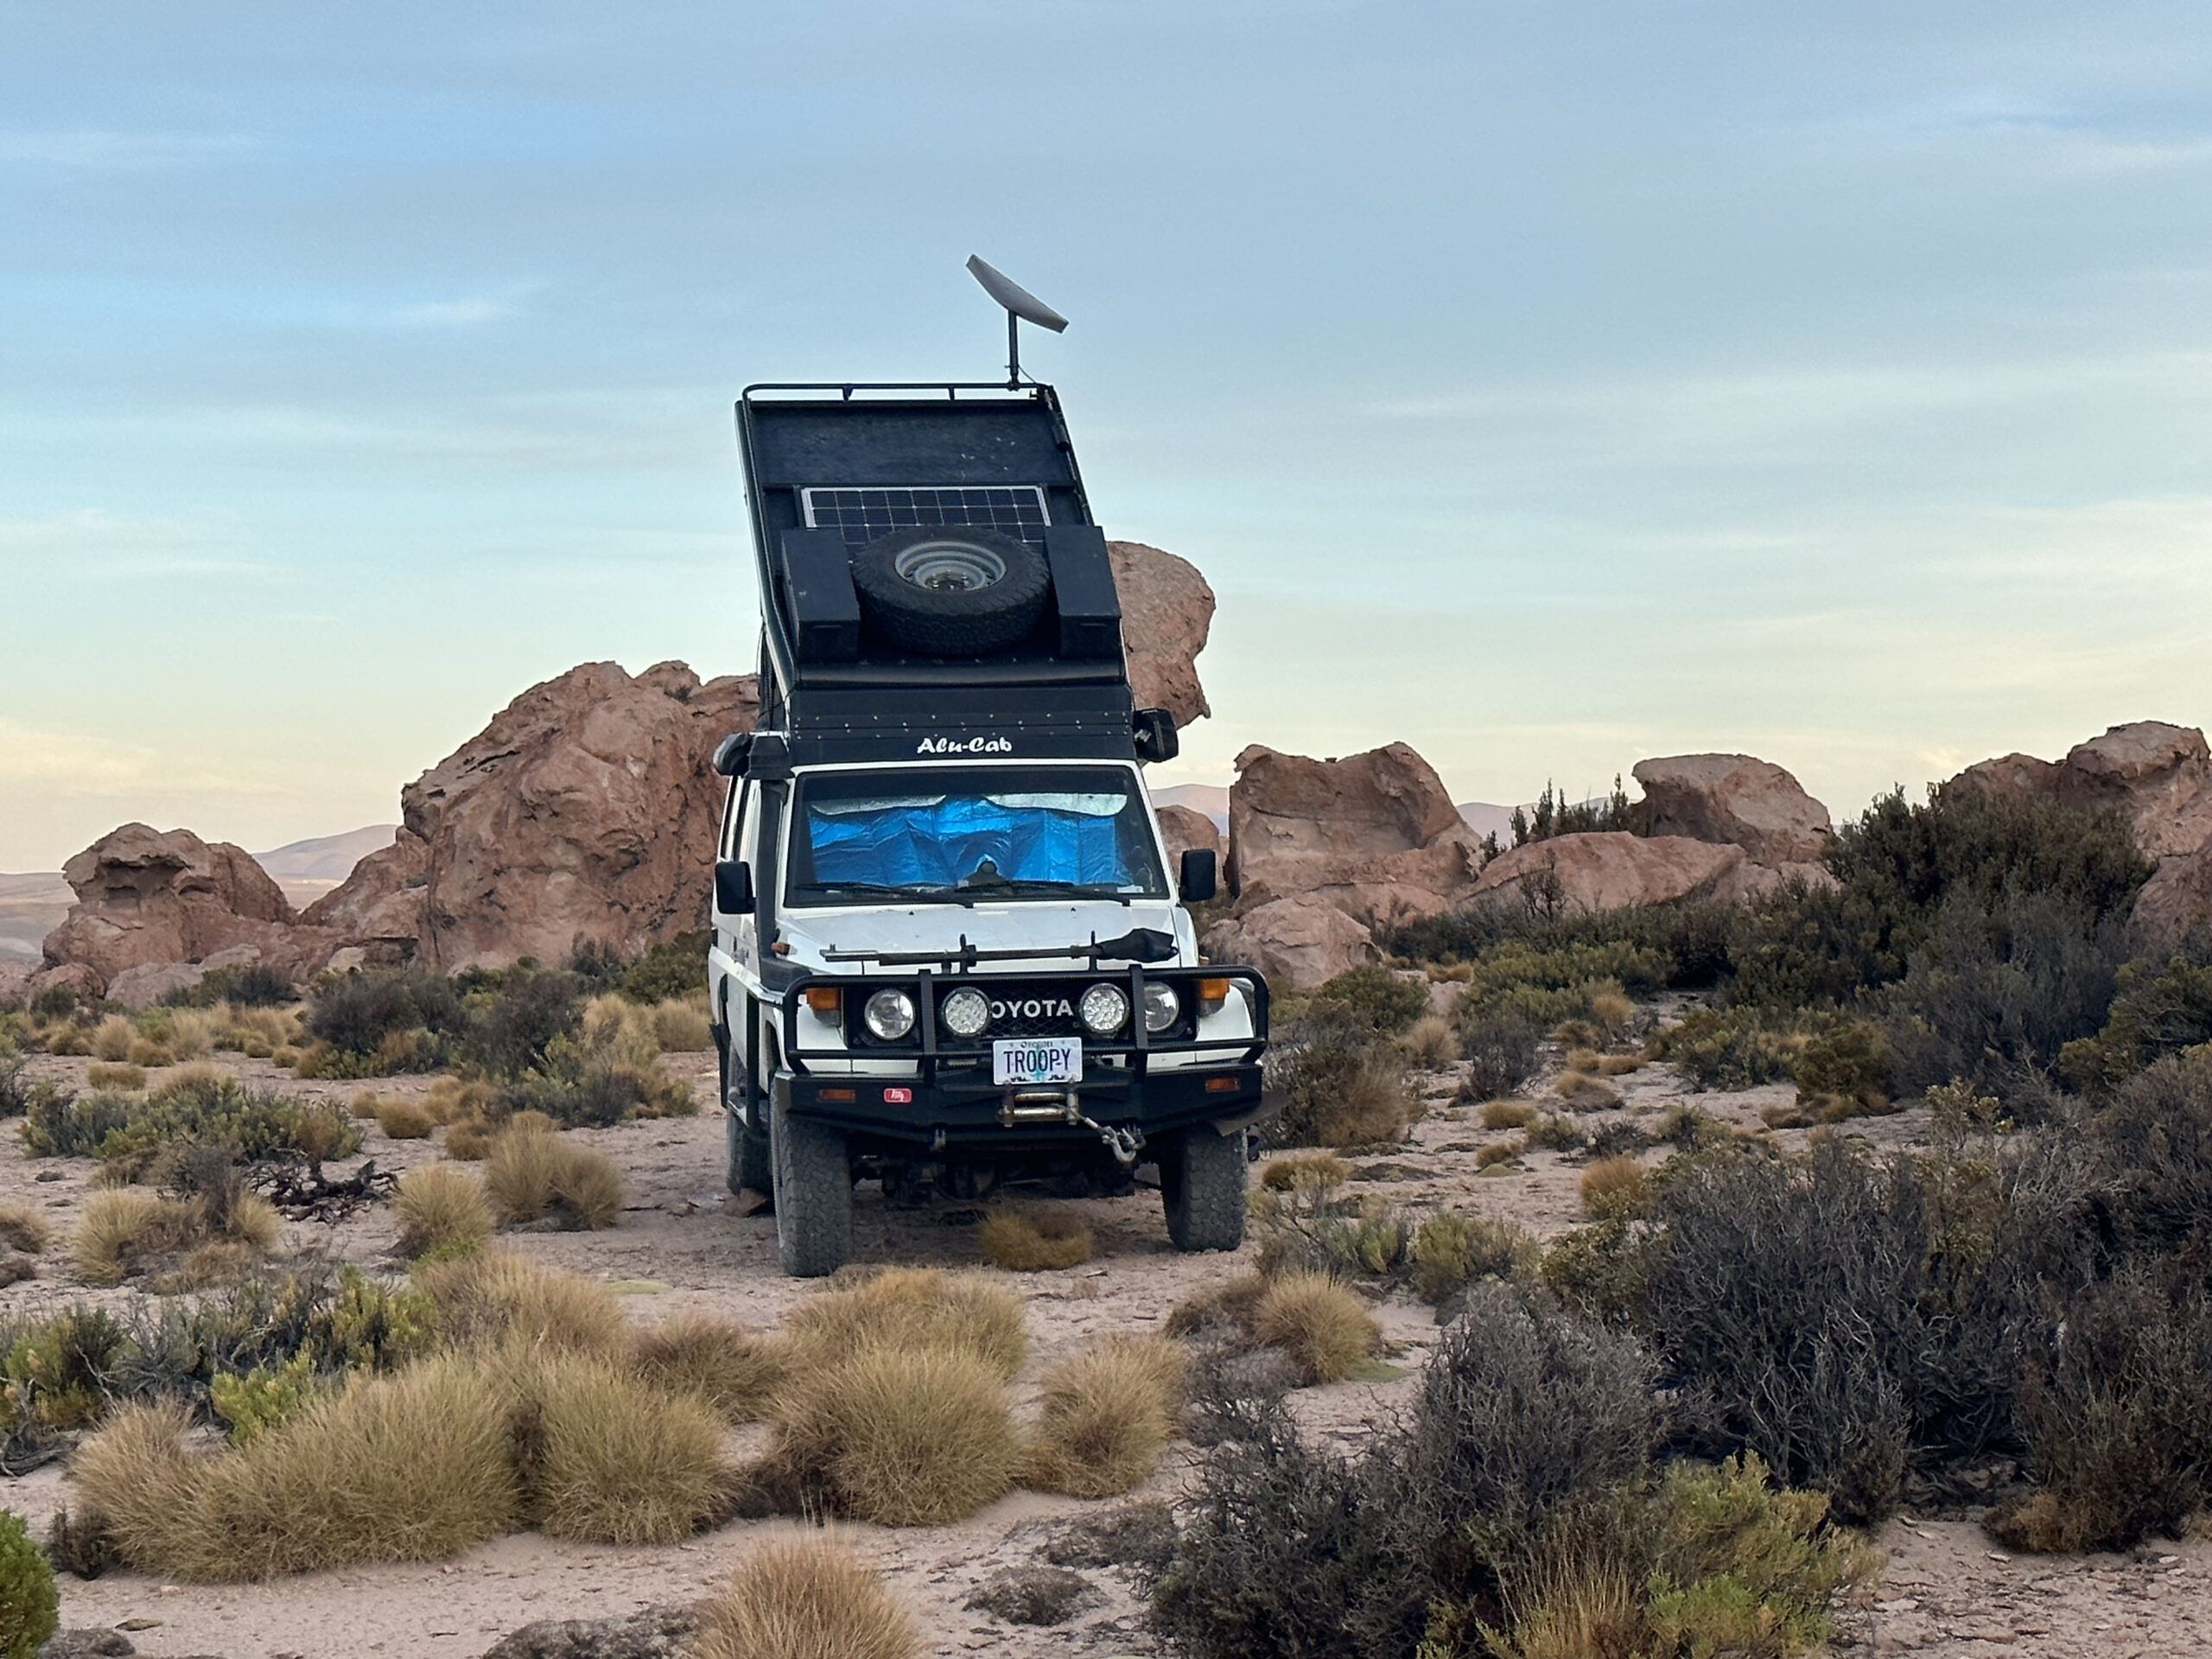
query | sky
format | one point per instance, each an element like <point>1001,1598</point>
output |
<point>1545,386</point>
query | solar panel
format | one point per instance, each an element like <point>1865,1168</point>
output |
<point>862,515</point>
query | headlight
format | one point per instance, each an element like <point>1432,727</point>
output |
<point>1161,1005</point>
<point>965,1012</point>
<point>1104,1010</point>
<point>889,1015</point>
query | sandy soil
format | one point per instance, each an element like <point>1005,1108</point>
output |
<point>684,1243</point>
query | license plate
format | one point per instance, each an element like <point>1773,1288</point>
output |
<point>1037,1060</point>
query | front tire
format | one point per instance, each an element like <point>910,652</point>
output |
<point>1202,1183</point>
<point>814,1194</point>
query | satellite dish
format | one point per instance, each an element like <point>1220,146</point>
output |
<point>1022,306</point>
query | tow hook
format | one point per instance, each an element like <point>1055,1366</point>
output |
<point>1037,1106</point>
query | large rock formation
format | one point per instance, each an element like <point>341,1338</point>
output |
<point>1185,830</point>
<point>1733,798</point>
<point>2160,777</point>
<point>1166,613</point>
<point>587,811</point>
<point>1610,869</point>
<point>147,897</point>
<point>1320,850</point>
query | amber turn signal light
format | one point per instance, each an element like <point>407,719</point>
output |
<point>1212,993</point>
<point>824,999</point>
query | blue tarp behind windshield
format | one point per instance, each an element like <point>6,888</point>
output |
<point>935,845</point>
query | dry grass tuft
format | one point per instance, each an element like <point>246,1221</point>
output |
<point>1507,1114</point>
<point>414,1467</point>
<point>1226,1308</point>
<point>1613,1014</point>
<point>1325,1329</point>
<point>1431,1042</point>
<point>1304,1171</point>
<point>1499,1151</point>
<point>531,1175</point>
<point>103,1074</point>
<point>22,1228</point>
<point>112,1041</point>
<point>681,1027</point>
<point>717,1360</point>
<point>470,1139</point>
<point>1586,1093</point>
<point>493,1296</point>
<point>365,1104</point>
<point>901,1436</point>
<point>123,1230</point>
<point>442,1210</point>
<point>403,1120</point>
<point>912,1309</point>
<point>148,1055</point>
<point>1615,1186</point>
<point>1106,1415</point>
<point>617,1461</point>
<point>804,1599</point>
<point>1017,1241</point>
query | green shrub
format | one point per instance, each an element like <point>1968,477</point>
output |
<point>15,1088</point>
<point>2158,1009</point>
<point>583,1084</point>
<point>1452,1251</point>
<point>1735,1047</point>
<point>55,1002</point>
<point>207,1108</point>
<point>1373,1000</point>
<point>1500,1046</point>
<point>29,1608</point>
<point>675,968</point>
<point>251,985</point>
<point>1341,1086</point>
<point>57,1123</point>
<point>355,1013</point>
<point>1849,1063</point>
<point>256,1402</point>
<point>513,1026</point>
<point>58,1367</point>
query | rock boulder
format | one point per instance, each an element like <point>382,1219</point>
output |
<point>1183,831</point>
<point>1733,798</point>
<point>1166,613</point>
<point>1296,943</point>
<point>2159,775</point>
<point>148,897</point>
<point>1610,869</point>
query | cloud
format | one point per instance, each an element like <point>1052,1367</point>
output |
<point>122,545</point>
<point>95,150</point>
<point>455,311</point>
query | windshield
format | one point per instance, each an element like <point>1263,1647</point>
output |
<point>955,834</point>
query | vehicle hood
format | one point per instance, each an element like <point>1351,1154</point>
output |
<point>1044,925</point>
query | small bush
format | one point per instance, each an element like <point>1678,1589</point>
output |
<point>1733,1048</point>
<point>30,1610</point>
<point>102,1075</point>
<point>804,1599</point>
<point>1016,1240</point>
<point>1339,1092</point>
<point>22,1228</point>
<point>1451,1250</point>
<point>512,1027</point>
<point>1301,1171</point>
<point>356,1013</point>
<point>403,1120</point>
<point>1848,1063</point>
<point>677,968</point>
<point>1431,1042</point>
<point>681,1027</point>
<point>590,1083</point>
<point>912,1309</point>
<point>485,1299</point>
<point>112,1038</point>
<point>717,1359</point>
<point>441,1210</point>
<point>1325,1329</point>
<point>1585,1093</point>
<point>1500,1048</point>
<point>1507,1114</point>
<point>899,1436</point>
<point>2158,1008</point>
<point>1105,1415</point>
<point>199,1107</point>
<point>251,985</point>
<point>1614,1186</point>
<point>532,1176</point>
<point>121,1233</point>
<point>1499,1151</point>
<point>618,1461</point>
<point>1377,1001</point>
<point>1552,1133</point>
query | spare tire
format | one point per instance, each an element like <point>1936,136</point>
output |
<point>951,590</point>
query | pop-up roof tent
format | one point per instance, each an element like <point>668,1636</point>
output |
<point>847,485</point>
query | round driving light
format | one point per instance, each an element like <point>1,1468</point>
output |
<point>889,1015</point>
<point>1161,1005</point>
<point>1104,1010</point>
<point>965,1012</point>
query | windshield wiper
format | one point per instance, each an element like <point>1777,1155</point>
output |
<point>875,889</point>
<point>1043,884</point>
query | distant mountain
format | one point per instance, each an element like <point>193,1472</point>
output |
<point>1212,799</point>
<point>31,906</point>
<point>325,858</point>
<point>1484,819</point>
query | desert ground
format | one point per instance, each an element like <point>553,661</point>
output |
<point>685,1243</point>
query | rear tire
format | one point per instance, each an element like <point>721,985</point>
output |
<point>814,1195</point>
<point>1202,1183</point>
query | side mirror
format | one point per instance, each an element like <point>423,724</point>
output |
<point>734,886</point>
<point>730,753</point>
<point>1199,879</point>
<point>1154,732</point>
